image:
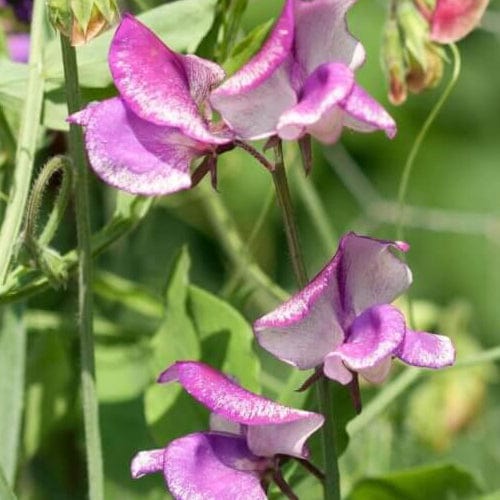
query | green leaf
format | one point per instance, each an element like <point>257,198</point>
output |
<point>13,82</point>
<point>48,385</point>
<point>6,492</point>
<point>248,47</point>
<point>227,337</point>
<point>436,482</point>
<point>12,366</point>
<point>167,21</point>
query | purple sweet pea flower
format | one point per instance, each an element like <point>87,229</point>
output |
<point>248,434</point>
<point>22,9</point>
<point>144,140</point>
<point>342,319</point>
<point>302,80</point>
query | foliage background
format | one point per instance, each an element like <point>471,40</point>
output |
<point>153,305</point>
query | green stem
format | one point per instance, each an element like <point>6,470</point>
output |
<point>323,394</point>
<point>14,340</point>
<point>410,161</point>
<point>89,390</point>
<point>286,207</point>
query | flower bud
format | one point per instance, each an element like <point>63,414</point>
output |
<point>82,20</point>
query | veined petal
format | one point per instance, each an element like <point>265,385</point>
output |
<point>213,466</point>
<point>321,35</point>
<point>369,273</point>
<point>263,64</point>
<point>272,428</point>
<point>426,350</point>
<point>365,114</point>
<point>147,462</point>
<point>305,328</point>
<point>452,20</point>
<point>328,85</point>
<point>159,85</point>
<point>133,154</point>
<point>374,337</point>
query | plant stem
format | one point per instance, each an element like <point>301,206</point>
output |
<point>13,337</point>
<point>323,394</point>
<point>89,391</point>
<point>410,161</point>
<point>285,204</point>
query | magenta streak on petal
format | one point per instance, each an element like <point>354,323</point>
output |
<point>325,87</point>
<point>426,350</point>
<point>272,54</point>
<point>211,466</point>
<point>365,114</point>
<point>154,83</point>
<point>135,155</point>
<point>147,462</point>
<point>221,395</point>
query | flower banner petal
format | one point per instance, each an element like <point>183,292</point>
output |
<point>322,35</point>
<point>155,81</point>
<point>224,397</point>
<point>212,466</point>
<point>304,329</point>
<point>426,350</point>
<point>135,155</point>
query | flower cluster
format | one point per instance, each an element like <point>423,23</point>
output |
<point>301,82</point>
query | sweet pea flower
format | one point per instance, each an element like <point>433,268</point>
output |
<point>302,80</point>
<point>452,20</point>
<point>144,140</point>
<point>249,434</point>
<point>18,46</point>
<point>343,319</point>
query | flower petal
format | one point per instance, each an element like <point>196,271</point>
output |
<point>322,36</point>
<point>263,64</point>
<point>373,338</point>
<point>305,328</point>
<point>212,466</point>
<point>272,428</point>
<point>368,273</point>
<point>252,100</point>
<point>365,114</point>
<point>135,155</point>
<point>18,45</point>
<point>455,19</point>
<point>426,350</point>
<point>147,462</point>
<point>159,85</point>
<point>323,90</point>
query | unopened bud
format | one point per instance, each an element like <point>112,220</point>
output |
<point>418,78</point>
<point>393,62</point>
<point>82,20</point>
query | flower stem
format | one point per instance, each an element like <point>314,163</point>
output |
<point>89,391</point>
<point>410,161</point>
<point>323,394</point>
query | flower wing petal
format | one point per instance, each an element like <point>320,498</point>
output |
<point>212,466</point>
<point>426,350</point>
<point>305,328</point>
<point>328,85</point>
<point>155,82</point>
<point>374,337</point>
<point>452,20</point>
<point>132,154</point>
<point>147,462</point>
<point>365,114</point>
<point>322,36</point>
